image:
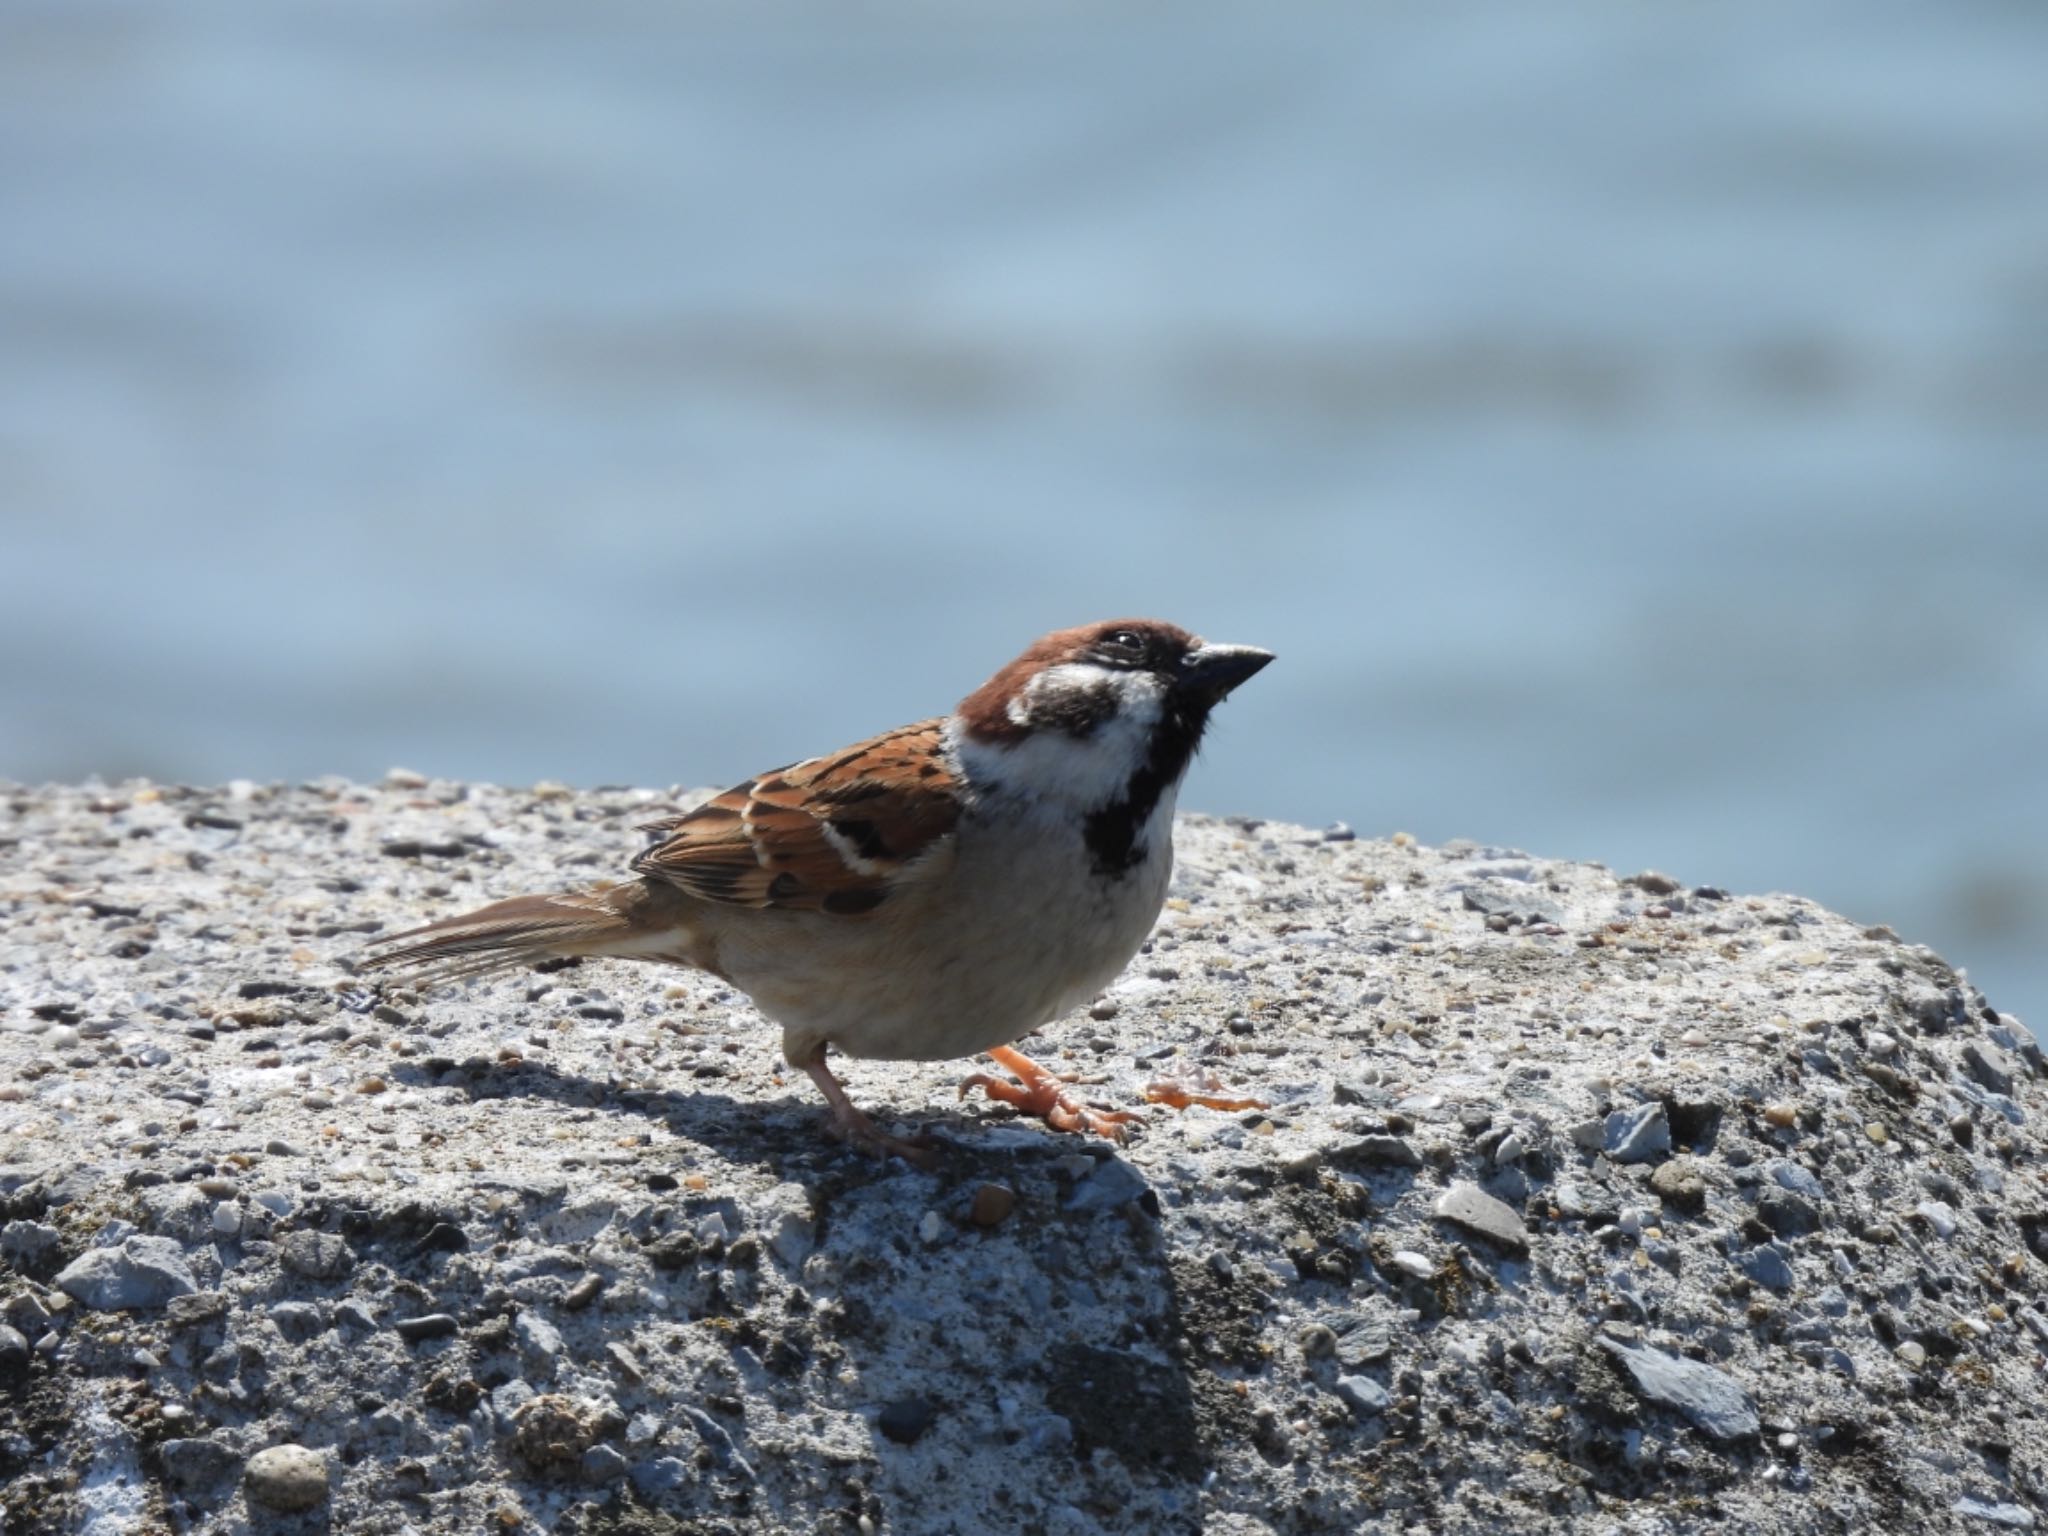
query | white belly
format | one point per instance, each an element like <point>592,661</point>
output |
<point>1018,931</point>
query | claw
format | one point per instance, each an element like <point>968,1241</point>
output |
<point>857,1130</point>
<point>1208,1091</point>
<point>1041,1094</point>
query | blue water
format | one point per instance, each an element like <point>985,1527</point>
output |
<point>1626,422</point>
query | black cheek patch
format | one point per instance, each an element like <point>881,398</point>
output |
<point>1076,711</point>
<point>853,903</point>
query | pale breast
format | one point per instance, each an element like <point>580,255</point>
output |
<point>1021,929</point>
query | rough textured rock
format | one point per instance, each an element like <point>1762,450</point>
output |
<point>1708,1397</point>
<point>567,1251</point>
<point>136,1272</point>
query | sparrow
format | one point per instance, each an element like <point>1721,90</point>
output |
<point>937,891</point>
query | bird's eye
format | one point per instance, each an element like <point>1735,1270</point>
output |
<point>1125,640</point>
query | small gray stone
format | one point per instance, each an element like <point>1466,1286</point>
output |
<point>507,1398</point>
<point>1636,1135</point>
<point>2012,1516</point>
<point>1939,1215</point>
<point>1786,1214</point>
<point>1376,1151</point>
<point>538,1338</point>
<point>1365,1396</point>
<point>1516,903</point>
<point>1711,1399</point>
<point>26,1313</point>
<point>1114,1183</point>
<point>199,1307</point>
<point>604,1464</point>
<point>1367,1344</point>
<point>1769,1266</point>
<point>1790,1175</point>
<point>143,1272</point>
<point>29,1242</point>
<point>316,1255</point>
<point>417,1330</point>
<point>792,1235</point>
<point>1476,1211</point>
<point>197,1463</point>
<point>662,1475</point>
<point>13,1348</point>
<point>1990,1066</point>
<point>906,1419</point>
<point>286,1478</point>
<point>298,1321</point>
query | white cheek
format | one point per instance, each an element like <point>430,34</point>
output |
<point>1140,696</point>
<point>1086,772</point>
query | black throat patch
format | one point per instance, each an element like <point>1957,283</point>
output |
<point>1112,833</point>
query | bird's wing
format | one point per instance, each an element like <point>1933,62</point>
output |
<point>832,834</point>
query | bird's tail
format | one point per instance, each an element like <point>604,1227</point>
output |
<point>522,931</point>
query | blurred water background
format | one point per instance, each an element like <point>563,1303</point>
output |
<point>1629,423</point>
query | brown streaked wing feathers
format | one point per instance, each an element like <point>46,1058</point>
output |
<point>833,834</point>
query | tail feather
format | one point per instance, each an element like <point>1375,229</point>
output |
<point>510,935</point>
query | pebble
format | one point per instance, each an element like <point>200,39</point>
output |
<point>141,1273</point>
<point>1990,1066</point>
<point>1712,1400</point>
<point>992,1205</point>
<point>1680,1184</point>
<point>905,1420</point>
<point>537,1337</point>
<point>1113,1183</point>
<point>1636,1135</point>
<point>1365,1397</point>
<point>1768,1266</point>
<point>2012,1516</point>
<point>1939,1215</point>
<point>297,1320</point>
<point>286,1478</point>
<point>1470,1207</point>
<point>29,1241</point>
<point>664,1474</point>
<point>432,1325</point>
<point>1790,1175</point>
<point>13,1348</point>
<point>1409,1262</point>
<point>197,1464</point>
<point>1781,1116</point>
<point>316,1255</point>
<point>1787,1214</point>
<point>1388,1151</point>
<point>1366,1344</point>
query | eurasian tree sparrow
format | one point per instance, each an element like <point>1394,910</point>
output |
<point>935,891</point>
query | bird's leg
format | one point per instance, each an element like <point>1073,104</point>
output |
<point>1044,1096</point>
<point>849,1124</point>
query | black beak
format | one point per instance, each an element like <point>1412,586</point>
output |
<point>1209,672</point>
